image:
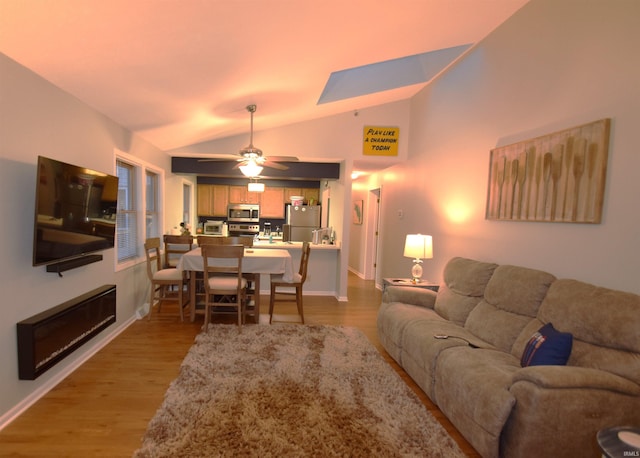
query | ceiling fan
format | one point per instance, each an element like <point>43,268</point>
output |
<point>252,160</point>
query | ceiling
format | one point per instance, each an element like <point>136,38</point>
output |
<point>180,72</point>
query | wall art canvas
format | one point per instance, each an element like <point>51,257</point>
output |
<point>558,177</point>
<point>357,212</point>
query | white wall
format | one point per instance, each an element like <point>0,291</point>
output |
<point>37,118</point>
<point>553,65</point>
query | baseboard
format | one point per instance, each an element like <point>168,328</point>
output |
<point>27,402</point>
<point>356,273</point>
<point>305,292</point>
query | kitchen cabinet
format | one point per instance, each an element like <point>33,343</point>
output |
<point>212,200</point>
<point>289,192</point>
<point>220,200</point>
<point>306,193</point>
<point>241,195</point>
<point>310,193</point>
<point>272,203</point>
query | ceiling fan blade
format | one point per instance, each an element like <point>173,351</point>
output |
<point>283,158</point>
<point>274,165</point>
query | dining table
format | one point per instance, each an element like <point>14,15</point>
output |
<point>255,261</point>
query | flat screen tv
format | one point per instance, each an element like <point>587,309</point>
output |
<point>75,212</point>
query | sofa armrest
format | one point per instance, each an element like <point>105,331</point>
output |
<point>410,295</point>
<point>568,402</point>
<point>563,377</point>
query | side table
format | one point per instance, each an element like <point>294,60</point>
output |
<point>619,441</point>
<point>425,284</point>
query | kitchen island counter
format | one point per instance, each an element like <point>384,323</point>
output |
<point>293,245</point>
<point>322,272</point>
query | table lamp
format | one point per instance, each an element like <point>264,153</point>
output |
<point>418,247</point>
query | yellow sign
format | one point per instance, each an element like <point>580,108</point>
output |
<point>380,141</point>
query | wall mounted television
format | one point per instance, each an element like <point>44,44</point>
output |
<point>75,212</point>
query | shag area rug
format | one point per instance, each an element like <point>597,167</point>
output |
<point>291,390</point>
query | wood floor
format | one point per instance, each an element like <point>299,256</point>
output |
<point>103,408</point>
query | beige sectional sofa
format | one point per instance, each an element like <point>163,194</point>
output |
<point>490,313</point>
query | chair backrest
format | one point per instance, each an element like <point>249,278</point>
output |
<point>152,252</point>
<point>238,240</point>
<point>226,254</point>
<point>174,247</point>
<point>304,261</point>
<point>233,240</point>
<point>209,240</point>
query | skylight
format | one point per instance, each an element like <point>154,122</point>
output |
<point>390,74</point>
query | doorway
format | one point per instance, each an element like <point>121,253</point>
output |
<point>372,234</point>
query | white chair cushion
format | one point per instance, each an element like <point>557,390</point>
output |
<point>168,274</point>
<point>226,283</point>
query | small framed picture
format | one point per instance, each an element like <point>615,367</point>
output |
<point>357,212</point>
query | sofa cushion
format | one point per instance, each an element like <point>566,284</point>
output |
<point>604,324</point>
<point>472,389</point>
<point>391,322</point>
<point>420,349</point>
<point>547,347</point>
<point>464,282</point>
<point>511,301</point>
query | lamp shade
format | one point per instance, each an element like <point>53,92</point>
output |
<point>418,246</point>
<point>251,169</point>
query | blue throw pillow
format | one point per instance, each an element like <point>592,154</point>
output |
<point>547,347</point>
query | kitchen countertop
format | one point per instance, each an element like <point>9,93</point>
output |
<point>298,245</point>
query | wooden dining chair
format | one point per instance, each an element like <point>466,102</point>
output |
<point>253,285</point>
<point>282,288</point>
<point>166,284</point>
<point>174,247</point>
<point>223,281</point>
<point>231,240</point>
<point>238,240</point>
<point>209,240</point>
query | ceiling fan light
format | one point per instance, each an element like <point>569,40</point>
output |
<point>251,169</point>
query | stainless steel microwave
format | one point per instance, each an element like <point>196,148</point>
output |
<point>243,213</point>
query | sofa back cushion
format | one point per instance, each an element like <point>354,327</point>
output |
<point>463,285</point>
<point>511,301</point>
<point>605,324</point>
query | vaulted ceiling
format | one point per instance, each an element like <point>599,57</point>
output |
<point>179,72</point>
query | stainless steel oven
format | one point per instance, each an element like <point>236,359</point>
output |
<point>243,213</point>
<point>243,229</point>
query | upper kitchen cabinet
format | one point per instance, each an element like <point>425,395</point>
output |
<point>212,200</point>
<point>271,203</point>
<point>306,193</point>
<point>241,195</point>
<point>310,193</point>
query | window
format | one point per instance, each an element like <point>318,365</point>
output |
<point>139,207</point>
<point>186,203</point>
<point>152,222</point>
<point>126,220</point>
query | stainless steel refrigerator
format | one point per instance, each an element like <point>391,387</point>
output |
<point>302,220</point>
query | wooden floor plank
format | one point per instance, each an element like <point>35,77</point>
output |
<point>103,408</point>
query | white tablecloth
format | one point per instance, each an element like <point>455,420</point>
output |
<point>256,260</point>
